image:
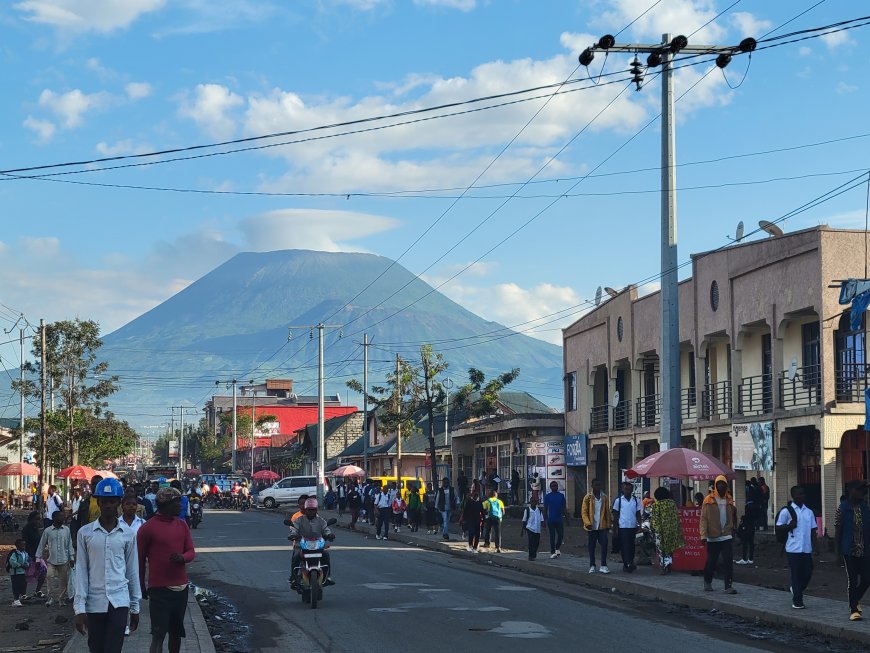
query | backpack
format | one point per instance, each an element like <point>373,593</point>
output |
<point>495,509</point>
<point>398,505</point>
<point>781,533</point>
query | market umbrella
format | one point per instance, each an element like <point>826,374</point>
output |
<point>680,463</point>
<point>78,473</point>
<point>106,473</point>
<point>193,472</point>
<point>349,471</point>
<point>266,475</point>
<point>19,469</point>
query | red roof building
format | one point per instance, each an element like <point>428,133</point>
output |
<point>290,419</point>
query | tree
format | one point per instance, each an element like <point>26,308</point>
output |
<point>430,393</point>
<point>99,438</point>
<point>478,397</point>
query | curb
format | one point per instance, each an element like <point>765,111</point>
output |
<point>635,588</point>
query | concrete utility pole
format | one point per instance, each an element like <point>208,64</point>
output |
<point>253,423</point>
<point>181,441</point>
<point>42,375</point>
<point>366,403</point>
<point>398,424</point>
<point>663,54</point>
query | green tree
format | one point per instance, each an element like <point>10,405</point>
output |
<point>479,397</point>
<point>430,393</point>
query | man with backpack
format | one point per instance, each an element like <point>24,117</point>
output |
<point>493,508</point>
<point>852,523</point>
<point>382,506</point>
<point>53,504</point>
<point>398,506</point>
<point>796,529</point>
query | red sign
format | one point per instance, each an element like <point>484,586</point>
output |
<point>693,556</point>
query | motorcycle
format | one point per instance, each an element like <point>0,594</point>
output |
<point>245,503</point>
<point>195,516</point>
<point>312,571</point>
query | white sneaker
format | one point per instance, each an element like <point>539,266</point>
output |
<point>127,631</point>
<point>49,603</point>
<point>558,553</point>
<point>377,537</point>
<point>750,562</point>
<point>592,570</point>
<point>469,549</point>
<point>740,562</point>
<point>553,556</point>
<point>604,569</point>
<point>16,604</point>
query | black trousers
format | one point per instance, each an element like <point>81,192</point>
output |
<point>534,543</point>
<point>801,565</point>
<point>749,541</point>
<point>492,531</point>
<point>626,545</point>
<point>858,572</point>
<point>106,630</point>
<point>19,585</point>
<point>474,535</point>
<point>714,551</point>
<point>384,516</point>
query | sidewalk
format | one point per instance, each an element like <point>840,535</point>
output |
<point>198,639</point>
<point>823,616</point>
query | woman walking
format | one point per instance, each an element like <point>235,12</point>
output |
<point>665,523</point>
<point>472,516</point>
<point>415,505</point>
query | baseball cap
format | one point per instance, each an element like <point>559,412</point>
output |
<point>167,495</point>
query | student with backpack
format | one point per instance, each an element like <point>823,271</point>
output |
<point>796,530</point>
<point>16,566</point>
<point>533,519</point>
<point>398,506</point>
<point>415,508</point>
<point>472,516</point>
<point>493,508</point>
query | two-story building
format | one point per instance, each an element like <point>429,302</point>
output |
<point>772,376</point>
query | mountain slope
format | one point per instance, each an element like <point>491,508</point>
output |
<point>234,319</point>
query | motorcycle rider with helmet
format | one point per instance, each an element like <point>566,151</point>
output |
<point>310,526</point>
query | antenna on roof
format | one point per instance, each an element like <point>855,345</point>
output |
<point>598,296</point>
<point>770,228</point>
<point>610,291</point>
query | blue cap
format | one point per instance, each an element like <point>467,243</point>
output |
<point>109,487</point>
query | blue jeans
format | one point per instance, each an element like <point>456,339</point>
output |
<point>445,518</point>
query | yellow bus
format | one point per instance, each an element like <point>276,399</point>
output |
<point>406,481</point>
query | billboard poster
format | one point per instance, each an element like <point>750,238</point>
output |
<point>556,469</point>
<point>575,450</point>
<point>173,448</point>
<point>752,446</point>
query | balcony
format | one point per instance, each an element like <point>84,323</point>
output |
<point>598,418</point>
<point>688,405</point>
<point>622,415</point>
<point>716,401</point>
<point>755,395</point>
<point>804,390</point>
<point>851,382</point>
<point>648,410</point>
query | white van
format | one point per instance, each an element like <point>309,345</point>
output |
<point>288,490</point>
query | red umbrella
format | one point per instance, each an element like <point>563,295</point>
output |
<point>680,463</point>
<point>78,472</point>
<point>349,471</point>
<point>265,475</point>
<point>193,472</point>
<point>19,469</point>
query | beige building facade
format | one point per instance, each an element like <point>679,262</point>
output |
<point>765,348</point>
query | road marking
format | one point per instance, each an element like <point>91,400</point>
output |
<point>521,630</point>
<point>387,610</point>
<point>392,586</point>
<point>514,588</point>
<point>432,589</point>
<point>286,547</point>
<point>486,608</point>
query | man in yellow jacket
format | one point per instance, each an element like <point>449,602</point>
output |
<point>595,513</point>
<point>718,523</point>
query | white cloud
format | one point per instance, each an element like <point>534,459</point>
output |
<point>805,51</point>
<point>203,16</point>
<point>210,108</point>
<point>461,5</point>
<point>361,5</point>
<point>673,16</point>
<point>322,230</point>
<point>44,129</point>
<point>71,106</point>
<point>138,90</point>
<point>40,247</point>
<point>102,16</point>
<point>843,88</point>
<point>748,25</point>
<point>836,39</point>
<point>126,146</point>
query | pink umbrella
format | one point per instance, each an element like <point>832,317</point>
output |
<point>19,469</point>
<point>265,475</point>
<point>680,463</point>
<point>347,471</point>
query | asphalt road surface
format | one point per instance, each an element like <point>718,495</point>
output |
<point>391,596</point>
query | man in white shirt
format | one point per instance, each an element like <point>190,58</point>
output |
<point>107,574</point>
<point>53,503</point>
<point>383,511</point>
<point>57,540</point>
<point>626,517</point>
<point>799,522</point>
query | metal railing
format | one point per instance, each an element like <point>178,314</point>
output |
<point>851,381</point>
<point>755,395</point>
<point>622,415</point>
<point>688,405</point>
<point>804,390</point>
<point>648,410</point>
<point>716,400</point>
<point>598,418</point>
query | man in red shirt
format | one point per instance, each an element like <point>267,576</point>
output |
<point>166,547</point>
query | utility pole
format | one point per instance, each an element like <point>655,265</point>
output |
<point>181,441</point>
<point>398,424</point>
<point>447,385</point>
<point>20,390</point>
<point>663,54</point>
<point>42,375</point>
<point>253,422</point>
<point>365,403</point>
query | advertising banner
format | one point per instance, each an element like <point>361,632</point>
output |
<point>575,450</point>
<point>693,556</point>
<point>173,448</point>
<point>752,446</point>
<point>556,469</point>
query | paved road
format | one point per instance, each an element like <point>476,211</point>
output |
<point>391,596</point>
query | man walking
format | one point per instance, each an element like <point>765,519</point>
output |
<point>56,538</point>
<point>718,523</point>
<point>53,504</point>
<point>626,518</point>
<point>354,503</point>
<point>165,548</point>
<point>341,493</point>
<point>445,503</point>
<point>384,512</point>
<point>532,522</point>
<point>798,523</point>
<point>596,523</point>
<point>493,508</point>
<point>107,574</point>
<point>556,510</point>
<point>852,523</point>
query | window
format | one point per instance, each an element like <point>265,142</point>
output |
<point>571,391</point>
<point>714,296</point>
<point>303,481</point>
<point>692,392</point>
<point>620,329</point>
<point>810,344</point>
<point>285,483</point>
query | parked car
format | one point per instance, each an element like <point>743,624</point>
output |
<point>288,490</point>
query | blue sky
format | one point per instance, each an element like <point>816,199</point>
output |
<point>91,78</point>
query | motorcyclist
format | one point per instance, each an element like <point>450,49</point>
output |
<point>244,492</point>
<point>195,501</point>
<point>310,526</point>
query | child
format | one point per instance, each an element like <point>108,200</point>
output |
<point>16,565</point>
<point>532,521</point>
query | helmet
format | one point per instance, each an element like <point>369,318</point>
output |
<point>309,504</point>
<point>109,487</point>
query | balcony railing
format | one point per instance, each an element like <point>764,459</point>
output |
<point>688,405</point>
<point>851,382</point>
<point>622,415</point>
<point>804,390</point>
<point>648,410</point>
<point>716,401</point>
<point>755,395</point>
<point>598,418</point>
